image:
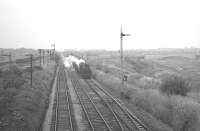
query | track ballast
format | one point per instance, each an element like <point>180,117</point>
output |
<point>63,117</point>
<point>101,111</point>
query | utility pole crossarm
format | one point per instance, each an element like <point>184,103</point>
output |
<point>125,35</point>
<point>122,34</point>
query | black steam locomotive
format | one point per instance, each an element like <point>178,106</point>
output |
<point>83,69</point>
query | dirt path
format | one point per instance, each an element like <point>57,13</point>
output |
<point>48,116</point>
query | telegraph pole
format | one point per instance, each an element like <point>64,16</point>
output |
<point>31,64</point>
<point>122,59</point>
<point>47,57</point>
<point>54,49</point>
<point>10,59</point>
<point>40,53</point>
<point>43,54</point>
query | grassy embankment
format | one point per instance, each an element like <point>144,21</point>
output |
<point>21,107</point>
<point>176,112</point>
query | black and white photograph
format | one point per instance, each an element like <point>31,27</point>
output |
<point>99,65</point>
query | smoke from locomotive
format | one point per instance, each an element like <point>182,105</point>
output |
<point>80,66</point>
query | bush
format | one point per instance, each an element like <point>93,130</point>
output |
<point>23,108</point>
<point>175,84</point>
<point>180,113</point>
<point>15,70</point>
<point>12,78</point>
<point>99,67</point>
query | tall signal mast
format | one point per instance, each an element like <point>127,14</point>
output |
<point>122,59</point>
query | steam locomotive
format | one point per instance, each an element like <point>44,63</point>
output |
<point>80,66</point>
<point>83,69</point>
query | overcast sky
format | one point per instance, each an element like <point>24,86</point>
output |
<point>95,24</point>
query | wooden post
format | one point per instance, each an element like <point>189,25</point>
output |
<point>10,59</point>
<point>31,71</point>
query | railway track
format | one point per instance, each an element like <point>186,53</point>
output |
<point>119,109</point>
<point>102,112</point>
<point>63,117</point>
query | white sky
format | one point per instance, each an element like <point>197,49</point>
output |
<point>95,24</point>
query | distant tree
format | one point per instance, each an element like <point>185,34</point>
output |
<point>175,84</point>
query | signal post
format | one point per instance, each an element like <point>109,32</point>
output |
<point>123,76</point>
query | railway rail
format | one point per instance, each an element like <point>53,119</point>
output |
<point>63,117</point>
<point>117,107</point>
<point>102,111</point>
